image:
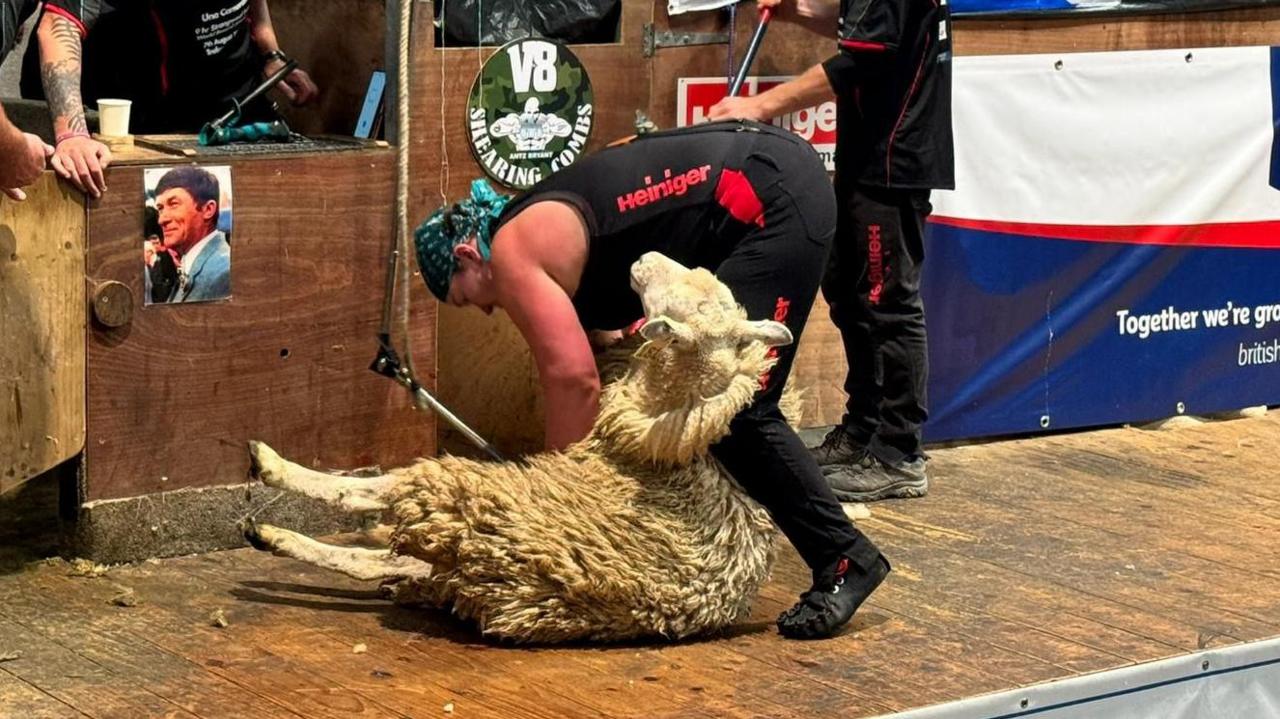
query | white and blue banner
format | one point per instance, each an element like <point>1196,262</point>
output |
<point>1112,250</point>
<point>1049,8</point>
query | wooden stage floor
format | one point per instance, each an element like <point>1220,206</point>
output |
<point>1031,560</point>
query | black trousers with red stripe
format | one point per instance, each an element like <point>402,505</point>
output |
<point>873,287</point>
<point>775,273</point>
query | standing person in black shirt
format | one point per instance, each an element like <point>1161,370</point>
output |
<point>748,201</point>
<point>180,63</point>
<point>892,83</point>
<point>13,13</point>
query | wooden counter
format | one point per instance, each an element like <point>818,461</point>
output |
<point>174,395</point>
<point>168,400</point>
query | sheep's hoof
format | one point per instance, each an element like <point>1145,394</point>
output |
<point>253,535</point>
<point>408,592</point>
<point>389,588</point>
<point>264,463</point>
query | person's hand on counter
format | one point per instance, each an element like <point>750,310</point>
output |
<point>82,160</point>
<point>24,156</point>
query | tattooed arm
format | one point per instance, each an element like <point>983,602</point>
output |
<point>78,157</point>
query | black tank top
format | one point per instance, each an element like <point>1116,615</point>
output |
<point>665,191</point>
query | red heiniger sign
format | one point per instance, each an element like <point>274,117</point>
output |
<point>817,125</point>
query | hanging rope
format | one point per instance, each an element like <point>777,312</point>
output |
<point>399,275</point>
<point>402,177</point>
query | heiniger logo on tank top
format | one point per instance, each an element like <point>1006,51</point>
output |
<point>669,186</point>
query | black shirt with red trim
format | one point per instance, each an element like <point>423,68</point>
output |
<point>892,78</point>
<point>691,193</point>
<point>181,62</point>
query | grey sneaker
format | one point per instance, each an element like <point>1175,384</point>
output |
<point>839,448</point>
<point>871,480</point>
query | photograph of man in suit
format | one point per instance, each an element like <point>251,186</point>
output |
<point>187,201</point>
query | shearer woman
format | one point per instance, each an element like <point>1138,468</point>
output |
<point>749,202</point>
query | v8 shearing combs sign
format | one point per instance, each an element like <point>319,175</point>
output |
<point>530,112</point>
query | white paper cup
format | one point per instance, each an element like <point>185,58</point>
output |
<point>113,117</point>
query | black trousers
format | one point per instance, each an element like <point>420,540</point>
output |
<point>873,286</point>
<point>775,273</point>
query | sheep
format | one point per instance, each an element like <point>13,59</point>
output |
<point>633,532</point>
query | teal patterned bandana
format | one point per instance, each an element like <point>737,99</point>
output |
<point>449,227</point>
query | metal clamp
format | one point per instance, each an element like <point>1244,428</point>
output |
<point>387,364</point>
<point>655,39</point>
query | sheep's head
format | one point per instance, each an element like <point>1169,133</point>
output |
<point>700,365</point>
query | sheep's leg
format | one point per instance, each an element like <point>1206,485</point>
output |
<point>380,535</point>
<point>358,494</point>
<point>355,562</point>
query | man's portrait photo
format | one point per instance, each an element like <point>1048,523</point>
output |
<point>186,234</point>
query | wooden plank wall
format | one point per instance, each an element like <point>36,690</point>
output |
<point>1259,26</point>
<point>486,375</point>
<point>339,43</point>
<point>175,395</point>
<point>42,318</point>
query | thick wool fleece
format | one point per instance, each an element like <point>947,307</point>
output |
<point>634,532</point>
<point>614,361</point>
<point>573,545</point>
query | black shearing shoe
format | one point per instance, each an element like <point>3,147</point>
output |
<point>831,602</point>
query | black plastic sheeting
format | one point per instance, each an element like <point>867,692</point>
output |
<point>1066,8</point>
<point>495,22</point>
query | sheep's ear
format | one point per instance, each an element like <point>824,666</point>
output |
<point>772,334</point>
<point>665,328</point>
